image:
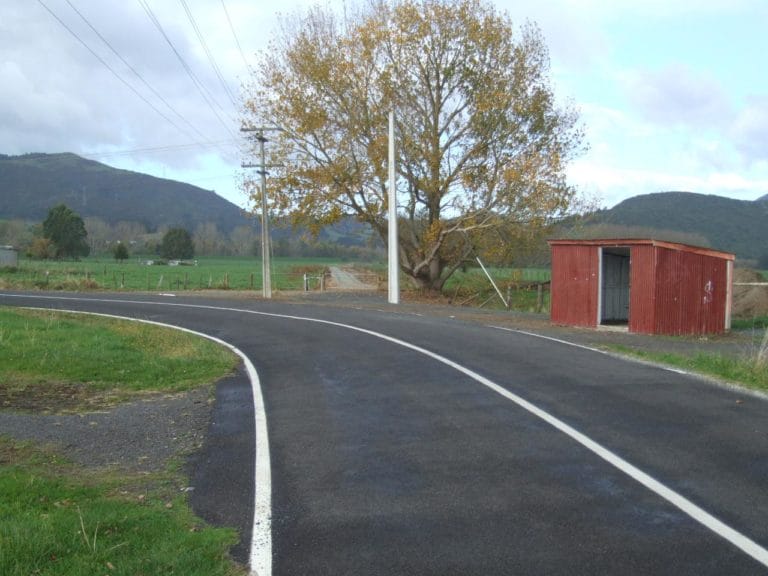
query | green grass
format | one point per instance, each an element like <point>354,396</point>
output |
<point>471,286</point>
<point>232,273</point>
<point>45,351</point>
<point>134,275</point>
<point>745,371</point>
<point>59,521</point>
<point>756,323</point>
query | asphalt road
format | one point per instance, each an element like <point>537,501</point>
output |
<point>404,444</point>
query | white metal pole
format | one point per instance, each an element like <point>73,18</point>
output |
<point>506,304</point>
<point>393,247</point>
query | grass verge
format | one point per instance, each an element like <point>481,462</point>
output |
<point>62,519</point>
<point>756,323</point>
<point>57,361</point>
<point>58,520</point>
<point>747,371</point>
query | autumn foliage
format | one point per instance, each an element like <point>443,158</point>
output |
<point>482,145</point>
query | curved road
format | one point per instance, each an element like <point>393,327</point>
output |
<point>411,445</point>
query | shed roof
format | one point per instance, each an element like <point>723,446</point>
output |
<point>622,242</point>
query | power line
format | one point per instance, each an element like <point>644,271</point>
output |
<point>208,54</point>
<point>112,70</point>
<point>161,149</point>
<point>209,99</point>
<point>234,35</point>
<point>135,72</point>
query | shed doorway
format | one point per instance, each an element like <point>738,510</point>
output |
<point>614,286</point>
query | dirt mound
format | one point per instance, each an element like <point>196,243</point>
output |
<point>749,301</point>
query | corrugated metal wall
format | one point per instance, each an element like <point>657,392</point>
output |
<point>574,285</point>
<point>691,293</point>
<point>674,289</point>
<point>642,289</point>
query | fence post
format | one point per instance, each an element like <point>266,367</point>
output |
<point>539,297</point>
<point>306,286</point>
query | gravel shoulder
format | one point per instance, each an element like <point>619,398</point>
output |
<point>139,437</point>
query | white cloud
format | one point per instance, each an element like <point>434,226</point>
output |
<point>613,184</point>
<point>750,130</point>
<point>659,9</point>
<point>677,95</point>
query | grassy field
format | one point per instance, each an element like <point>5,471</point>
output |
<point>136,274</point>
<point>61,519</point>
<point>468,286</point>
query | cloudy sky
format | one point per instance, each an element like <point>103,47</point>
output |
<point>673,93</point>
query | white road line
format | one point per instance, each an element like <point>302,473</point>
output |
<point>261,535</point>
<point>591,349</point>
<point>558,340</point>
<point>706,519</point>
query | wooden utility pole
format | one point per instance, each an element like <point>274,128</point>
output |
<point>266,268</point>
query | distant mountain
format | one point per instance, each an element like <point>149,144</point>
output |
<point>736,226</point>
<point>31,184</point>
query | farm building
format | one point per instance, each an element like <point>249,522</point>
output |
<point>649,286</point>
<point>9,257</point>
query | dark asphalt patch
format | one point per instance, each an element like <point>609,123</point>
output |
<point>221,473</point>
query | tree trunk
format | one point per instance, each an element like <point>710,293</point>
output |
<point>430,277</point>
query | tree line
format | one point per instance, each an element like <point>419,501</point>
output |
<point>66,235</point>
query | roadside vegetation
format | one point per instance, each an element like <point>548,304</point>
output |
<point>755,323</point>
<point>750,369</point>
<point>468,286</point>
<point>149,273</point>
<point>59,519</point>
<point>53,360</point>
<point>64,519</point>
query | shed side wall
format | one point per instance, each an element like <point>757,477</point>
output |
<point>574,285</point>
<point>642,289</point>
<point>691,293</point>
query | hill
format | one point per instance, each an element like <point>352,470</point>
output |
<point>736,226</point>
<point>31,184</point>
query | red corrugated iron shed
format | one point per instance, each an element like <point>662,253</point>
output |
<point>651,286</point>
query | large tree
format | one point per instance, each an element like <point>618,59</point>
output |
<point>66,230</point>
<point>177,244</point>
<point>482,143</point>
